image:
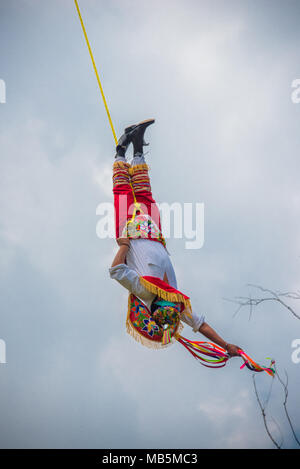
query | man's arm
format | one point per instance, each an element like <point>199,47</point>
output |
<point>127,277</point>
<point>121,254</point>
<point>212,335</point>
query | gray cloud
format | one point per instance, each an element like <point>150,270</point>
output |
<point>217,78</point>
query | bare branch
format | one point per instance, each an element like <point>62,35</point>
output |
<point>263,412</point>
<point>250,302</point>
<point>286,393</point>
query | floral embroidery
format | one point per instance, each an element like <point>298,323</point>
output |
<point>150,326</point>
<point>143,227</point>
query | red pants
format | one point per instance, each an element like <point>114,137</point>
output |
<point>127,179</point>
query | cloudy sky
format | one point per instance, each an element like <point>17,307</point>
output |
<point>217,77</point>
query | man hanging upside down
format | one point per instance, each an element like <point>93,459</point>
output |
<point>142,264</point>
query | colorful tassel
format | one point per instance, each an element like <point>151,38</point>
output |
<point>166,338</point>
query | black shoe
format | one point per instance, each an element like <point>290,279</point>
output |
<point>123,142</point>
<point>136,135</point>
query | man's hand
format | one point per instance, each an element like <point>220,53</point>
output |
<point>233,350</point>
<point>123,242</point>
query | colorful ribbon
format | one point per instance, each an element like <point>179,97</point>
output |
<point>213,356</point>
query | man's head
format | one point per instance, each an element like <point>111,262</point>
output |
<point>165,313</point>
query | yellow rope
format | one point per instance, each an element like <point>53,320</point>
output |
<point>96,72</point>
<point>136,204</point>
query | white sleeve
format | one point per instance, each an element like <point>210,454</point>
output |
<point>130,280</point>
<point>195,321</point>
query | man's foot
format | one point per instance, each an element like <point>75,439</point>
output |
<point>123,142</point>
<point>136,135</point>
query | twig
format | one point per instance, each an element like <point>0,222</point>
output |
<point>263,411</point>
<point>243,301</point>
<point>286,393</point>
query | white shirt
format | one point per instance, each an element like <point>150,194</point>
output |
<point>129,279</point>
<point>147,257</point>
